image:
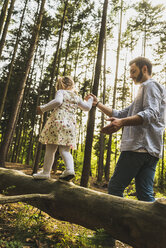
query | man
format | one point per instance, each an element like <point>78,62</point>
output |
<point>143,125</point>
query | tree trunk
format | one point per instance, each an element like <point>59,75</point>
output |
<point>54,68</point>
<point>19,130</point>
<point>68,41</point>
<point>3,14</point>
<point>115,89</point>
<point>19,97</point>
<point>91,116</point>
<point>139,224</point>
<point>108,158</point>
<point>78,48</point>
<point>3,38</point>
<point>11,64</point>
<point>37,157</point>
<point>124,88</point>
<point>57,65</point>
<point>101,139</point>
<point>30,145</point>
<point>145,38</point>
<point>161,175</point>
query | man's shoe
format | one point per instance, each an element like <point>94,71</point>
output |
<point>41,175</point>
<point>67,175</point>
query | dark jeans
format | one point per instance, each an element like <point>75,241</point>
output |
<point>142,167</point>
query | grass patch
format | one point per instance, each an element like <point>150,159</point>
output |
<point>22,225</point>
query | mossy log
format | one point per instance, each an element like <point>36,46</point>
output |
<point>137,223</point>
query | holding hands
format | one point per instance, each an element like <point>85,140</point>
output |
<point>95,100</point>
<point>115,124</point>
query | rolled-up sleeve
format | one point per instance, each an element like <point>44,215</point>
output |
<point>151,104</point>
<point>120,113</point>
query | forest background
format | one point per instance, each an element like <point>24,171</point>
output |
<point>41,40</point>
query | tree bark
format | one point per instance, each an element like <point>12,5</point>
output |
<point>3,14</point>
<point>139,224</point>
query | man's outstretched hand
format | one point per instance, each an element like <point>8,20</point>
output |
<point>113,127</point>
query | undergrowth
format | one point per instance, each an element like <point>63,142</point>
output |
<point>22,225</point>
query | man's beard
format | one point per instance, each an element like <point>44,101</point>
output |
<point>139,77</point>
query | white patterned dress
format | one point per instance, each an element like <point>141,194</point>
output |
<point>60,127</point>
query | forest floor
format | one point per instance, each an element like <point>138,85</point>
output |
<point>24,226</point>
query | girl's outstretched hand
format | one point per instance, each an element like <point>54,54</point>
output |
<point>95,100</point>
<point>38,111</point>
<point>87,97</point>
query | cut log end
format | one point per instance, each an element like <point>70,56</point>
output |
<point>161,201</point>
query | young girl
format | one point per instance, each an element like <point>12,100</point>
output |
<point>60,128</point>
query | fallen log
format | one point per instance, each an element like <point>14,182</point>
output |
<point>139,224</point>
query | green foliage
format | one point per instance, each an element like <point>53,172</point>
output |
<point>11,244</point>
<point>78,160</point>
<point>31,227</point>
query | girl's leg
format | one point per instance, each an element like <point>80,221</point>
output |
<point>48,162</point>
<point>69,163</point>
<point>49,158</point>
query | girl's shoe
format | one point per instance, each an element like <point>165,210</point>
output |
<point>41,175</point>
<point>67,175</point>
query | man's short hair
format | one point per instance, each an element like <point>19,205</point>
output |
<point>140,62</point>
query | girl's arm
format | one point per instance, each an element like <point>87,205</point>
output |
<point>86,106</point>
<point>52,104</point>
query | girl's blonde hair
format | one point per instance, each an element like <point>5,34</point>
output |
<point>65,83</point>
